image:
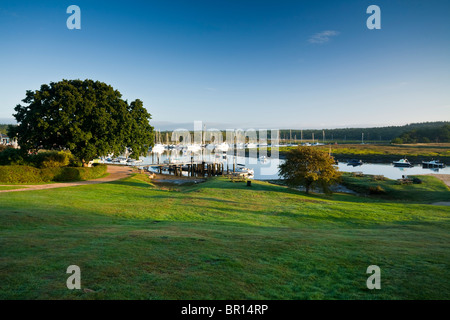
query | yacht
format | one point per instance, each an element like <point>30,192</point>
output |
<point>355,163</point>
<point>240,168</point>
<point>251,145</point>
<point>433,164</point>
<point>221,147</point>
<point>158,148</point>
<point>194,148</point>
<point>404,163</point>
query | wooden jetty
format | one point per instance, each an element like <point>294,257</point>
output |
<point>193,168</point>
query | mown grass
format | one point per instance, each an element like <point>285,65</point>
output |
<point>219,240</point>
<point>10,187</point>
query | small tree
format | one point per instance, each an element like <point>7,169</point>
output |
<point>308,167</point>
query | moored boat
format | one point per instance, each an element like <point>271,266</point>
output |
<point>404,163</point>
<point>433,164</point>
<point>240,168</point>
<point>354,162</point>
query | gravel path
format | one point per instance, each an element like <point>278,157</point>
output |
<point>115,173</point>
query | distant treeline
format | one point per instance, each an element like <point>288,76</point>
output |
<point>410,133</point>
<point>425,135</point>
<point>381,134</point>
<point>357,134</point>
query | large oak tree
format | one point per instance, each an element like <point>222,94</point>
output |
<point>309,167</point>
<point>88,117</point>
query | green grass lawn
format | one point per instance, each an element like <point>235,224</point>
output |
<point>429,191</point>
<point>10,187</point>
<point>219,240</point>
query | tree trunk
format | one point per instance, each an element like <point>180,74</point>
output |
<point>307,188</point>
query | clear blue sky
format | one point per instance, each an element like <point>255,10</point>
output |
<point>299,64</point>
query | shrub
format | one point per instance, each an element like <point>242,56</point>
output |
<point>11,156</point>
<point>377,190</point>
<point>21,174</point>
<point>77,174</point>
<point>28,174</point>
<point>52,159</point>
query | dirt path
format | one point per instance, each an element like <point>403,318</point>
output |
<point>115,173</point>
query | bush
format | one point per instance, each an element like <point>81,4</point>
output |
<point>377,190</point>
<point>21,174</point>
<point>28,174</point>
<point>52,159</point>
<point>77,174</point>
<point>11,156</point>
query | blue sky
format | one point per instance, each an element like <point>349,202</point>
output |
<point>261,64</point>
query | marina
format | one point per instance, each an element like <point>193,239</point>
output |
<point>178,162</point>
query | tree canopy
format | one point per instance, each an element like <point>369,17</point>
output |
<point>309,167</point>
<point>88,117</point>
<point>425,135</point>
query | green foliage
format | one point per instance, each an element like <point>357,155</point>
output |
<point>51,159</point>
<point>77,174</point>
<point>88,118</point>
<point>376,190</point>
<point>429,190</point>
<point>26,174</point>
<point>425,135</point>
<point>11,156</point>
<point>308,167</point>
<point>21,174</point>
<point>4,128</point>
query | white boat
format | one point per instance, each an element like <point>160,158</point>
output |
<point>433,164</point>
<point>251,146</point>
<point>121,160</point>
<point>194,148</point>
<point>263,145</point>
<point>134,161</point>
<point>222,147</point>
<point>240,168</point>
<point>158,148</point>
<point>404,163</point>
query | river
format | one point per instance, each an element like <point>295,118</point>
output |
<point>265,170</point>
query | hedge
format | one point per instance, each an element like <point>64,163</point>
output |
<point>27,174</point>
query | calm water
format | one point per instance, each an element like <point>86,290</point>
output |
<point>269,169</point>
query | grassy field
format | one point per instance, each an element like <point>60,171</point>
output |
<point>220,240</point>
<point>429,191</point>
<point>10,187</point>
